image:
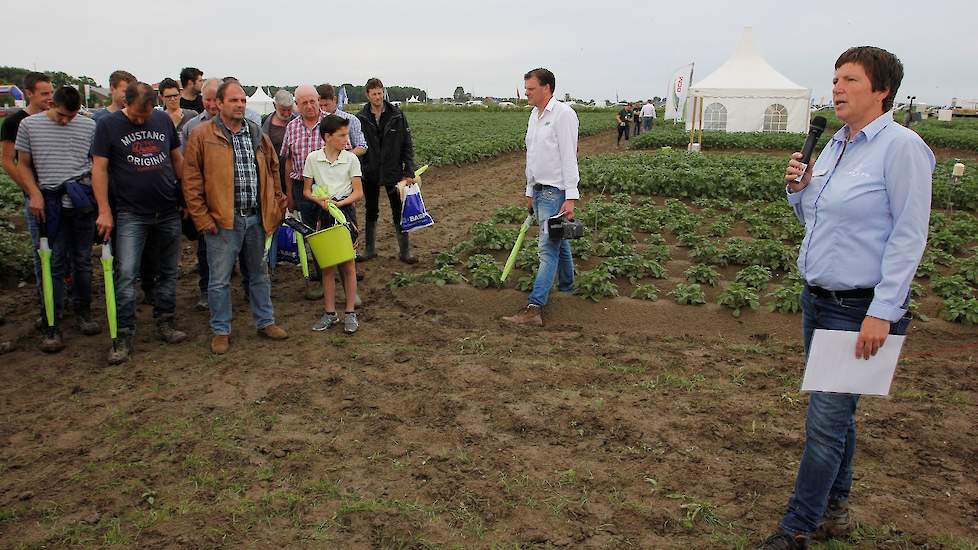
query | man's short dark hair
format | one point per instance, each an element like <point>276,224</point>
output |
<point>141,96</point>
<point>544,77</point>
<point>229,79</point>
<point>373,83</point>
<point>32,78</point>
<point>190,74</point>
<point>228,82</point>
<point>120,76</point>
<point>884,69</point>
<point>68,97</point>
<point>330,124</point>
<point>168,83</point>
<point>326,91</point>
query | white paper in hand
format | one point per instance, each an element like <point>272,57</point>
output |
<point>833,366</point>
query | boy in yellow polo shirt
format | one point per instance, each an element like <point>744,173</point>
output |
<point>332,174</point>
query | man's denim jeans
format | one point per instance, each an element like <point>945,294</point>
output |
<point>248,239</point>
<point>555,256</point>
<point>131,235</point>
<point>825,471</point>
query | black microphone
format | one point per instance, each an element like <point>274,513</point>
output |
<point>814,132</point>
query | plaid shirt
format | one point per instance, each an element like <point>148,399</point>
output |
<point>299,141</point>
<point>245,171</point>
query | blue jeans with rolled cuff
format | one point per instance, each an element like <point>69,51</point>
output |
<point>555,256</point>
<point>825,471</point>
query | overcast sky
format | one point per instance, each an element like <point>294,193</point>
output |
<point>595,48</point>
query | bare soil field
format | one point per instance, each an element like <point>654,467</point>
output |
<point>621,424</point>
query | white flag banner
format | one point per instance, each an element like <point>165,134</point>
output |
<point>678,92</point>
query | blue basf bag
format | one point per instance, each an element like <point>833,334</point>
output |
<point>288,250</point>
<point>413,213</point>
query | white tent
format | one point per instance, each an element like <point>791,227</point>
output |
<point>746,94</point>
<point>261,102</point>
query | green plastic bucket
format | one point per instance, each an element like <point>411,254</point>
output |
<point>332,246</point>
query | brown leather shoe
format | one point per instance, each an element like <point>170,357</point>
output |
<point>273,332</point>
<point>220,344</point>
<point>530,315</point>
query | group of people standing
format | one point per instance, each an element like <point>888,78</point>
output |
<point>635,118</point>
<point>865,204</point>
<point>136,175</point>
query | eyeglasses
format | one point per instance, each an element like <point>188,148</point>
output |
<point>174,96</point>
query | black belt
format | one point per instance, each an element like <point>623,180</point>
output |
<point>537,187</point>
<point>247,211</point>
<point>854,294</point>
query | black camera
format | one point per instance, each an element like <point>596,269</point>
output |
<point>562,229</point>
<point>299,227</point>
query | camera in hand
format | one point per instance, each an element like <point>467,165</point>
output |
<point>562,229</point>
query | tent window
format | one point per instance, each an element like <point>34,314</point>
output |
<point>776,118</point>
<point>715,117</point>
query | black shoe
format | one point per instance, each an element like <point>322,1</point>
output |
<point>201,304</point>
<point>86,325</point>
<point>836,522</point>
<point>52,342</point>
<point>166,333</point>
<point>784,541</point>
<point>120,351</point>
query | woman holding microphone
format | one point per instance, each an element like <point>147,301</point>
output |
<point>865,204</point>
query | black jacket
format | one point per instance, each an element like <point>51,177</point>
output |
<point>392,159</point>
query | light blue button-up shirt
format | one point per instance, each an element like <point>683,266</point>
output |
<point>866,214</point>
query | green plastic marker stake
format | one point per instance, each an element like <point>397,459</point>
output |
<point>516,248</point>
<point>110,310</point>
<point>47,285</point>
<point>268,245</point>
<point>300,243</point>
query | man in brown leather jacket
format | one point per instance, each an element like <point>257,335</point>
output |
<point>233,193</point>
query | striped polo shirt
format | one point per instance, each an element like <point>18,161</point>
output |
<point>59,153</point>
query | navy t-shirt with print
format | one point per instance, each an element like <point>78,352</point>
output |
<point>141,176</point>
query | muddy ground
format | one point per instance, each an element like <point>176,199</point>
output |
<point>621,424</point>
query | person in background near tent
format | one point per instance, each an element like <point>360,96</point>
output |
<point>648,115</point>
<point>54,169</point>
<point>623,118</point>
<point>231,187</point>
<point>551,187</point>
<point>274,127</point>
<point>136,159</point>
<point>335,173</point>
<point>118,82</point>
<point>637,118</point>
<point>192,81</point>
<point>170,92</point>
<point>389,160</point>
<point>858,263</point>
<point>38,89</point>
